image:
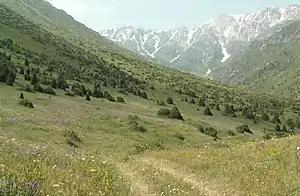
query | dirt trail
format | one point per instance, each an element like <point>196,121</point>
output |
<point>203,187</point>
<point>138,186</point>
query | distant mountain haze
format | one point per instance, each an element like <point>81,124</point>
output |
<point>204,48</point>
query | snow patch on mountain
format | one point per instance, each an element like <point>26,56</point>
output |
<point>204,45</point>
<point>225,53</point>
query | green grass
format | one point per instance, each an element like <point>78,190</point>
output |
<point>106,134</point>
<point>258,168</point>
<point>71,146</point>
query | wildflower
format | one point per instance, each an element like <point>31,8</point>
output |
<point>298,148</point>
<point>92,157</point>
<point>54,166</point>
<point>92,170</point>
<point>55,185</point>
<point>83,158</point>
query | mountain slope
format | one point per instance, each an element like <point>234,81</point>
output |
<point>43,14</point>
<point>271,61</point>
<point>77,123</point>
<point>205,47</point>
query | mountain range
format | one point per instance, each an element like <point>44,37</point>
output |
<point>205,48</point>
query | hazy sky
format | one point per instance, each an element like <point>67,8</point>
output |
<point>158,14</point>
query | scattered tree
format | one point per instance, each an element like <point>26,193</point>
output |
<point>164,112</point>
<point>276,119</point>
<point>243,129</point>
<point>26,103</point>
<point>192,101</point>
<point>175,114</point>
<point>202,102</point>
<point>265,117</point>
<point>170,100</point>
<point>277,128</point>
<point>34,79</point>
<point>207,111</point>
<point>120,99</point>
<point>21,96</point>
<point>87,97</point>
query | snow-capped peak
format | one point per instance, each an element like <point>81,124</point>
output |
<point>206,44</point>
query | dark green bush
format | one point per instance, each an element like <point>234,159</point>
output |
<point>37,87</point>
<point>26,103</point>
<point>230,133</point>
<point>72,138</point>
<point>207,111</point>
<point>49,90</point>
<point>87,97</point>
<point>120,99</point>
<point>175,114</point>
<point>243,129</point>
<point>267,136</point>
<point>180,136</point>
<point>164,112</point>
<point>170,100</point>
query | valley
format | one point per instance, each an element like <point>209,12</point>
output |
<point>80,115</point>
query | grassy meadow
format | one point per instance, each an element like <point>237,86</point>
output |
<point>77,119</point>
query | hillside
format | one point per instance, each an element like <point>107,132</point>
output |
<point>78,122</point>
<point>58,22</point>
<point>271,62</point>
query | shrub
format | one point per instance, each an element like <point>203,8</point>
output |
<point>192,101</point>
<point>175,114</point>
<point>207,111</point>
<point>200,128</point>
<point>276,119</point>
<point>247,113</point>
<point>265,117</point>
<point>243,129</point>
<point>133,121</point>
<point>230,133</point>
<point>26,103</point>
<point>37,87</point>
<point>164,112</point>
<point>218,107</point>
<point>267,136</point>
<point>209,131</point>
<point>289,122</point>
<point>49,90</point>
<point>72,138</point>
<point>170,100</point>
<point>137,127</point>
<point>277,128</point>
<point>109,97</point>
<point>284,128</point>
<point>87,97</point>
<point>180,136</point>
<point>202,102</point>
<point>229,111</point>
<point>120,100</point>
<point>21,96</point>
